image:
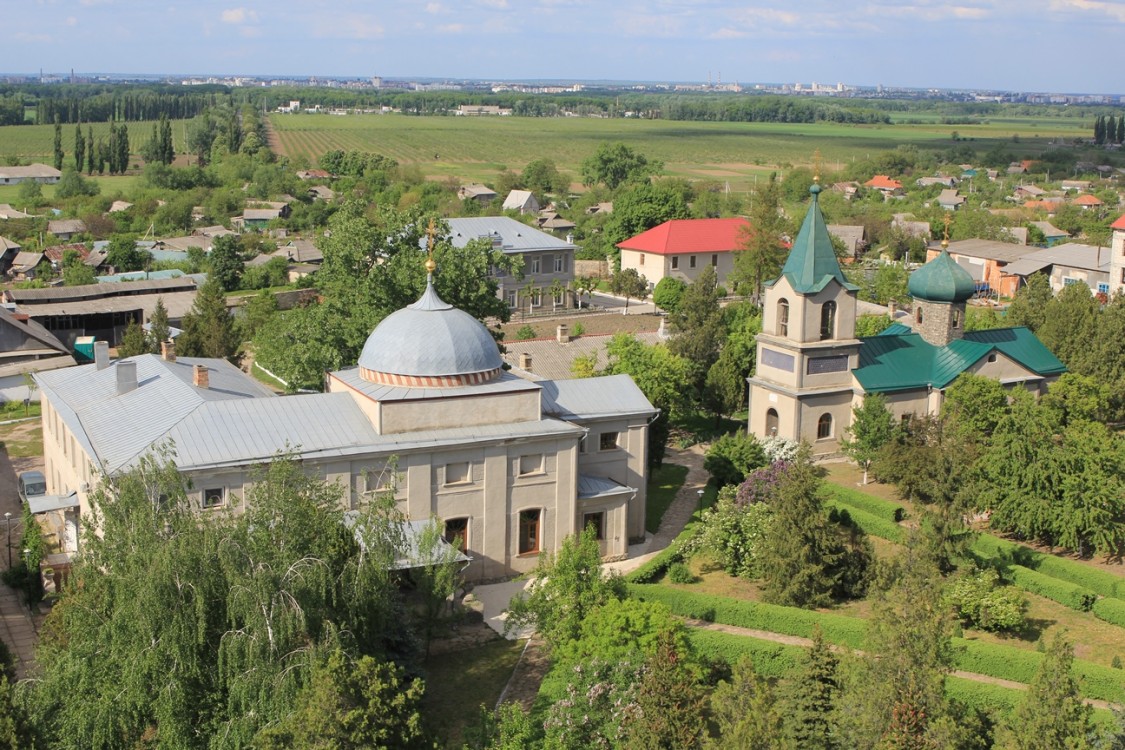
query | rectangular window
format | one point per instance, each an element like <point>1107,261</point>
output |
<point>560,263</point>
<point>458,473</point>
<point>675,262</point>
<point>1103,288</point>
<point>535,265</point>
<point>691,261</point>
<point>597,520</point>
<point>559,299</point>
<point>714,260</point>
<point>607,441</point>
<point>457,533</point>
<point>536,297</point>
<point>384,480</point>
<point>1068,280</point>
<point>512,299</point>
<point>214,497</point>
<point>529,532</point>
<point>641,262</point>
<point>531,464</point>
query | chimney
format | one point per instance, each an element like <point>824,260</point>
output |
<point>200,377</point>
<point>562,334</point>
<point>525,362</point>
<point>892,308</point>
<point>101,355</point>
<point>168,350</point>
<point>126,376</point>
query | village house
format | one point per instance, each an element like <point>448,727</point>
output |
<point>41,173</point>
<point>950,200</point>
<point>854,237</point>
<point>523,201</point>
<point>682,248</point>
<point>812,371</point>
<point>1052,234</point>
<point>884,185</point>
<point>475,191</point>
<point>1072,263</point>
<point>510,466</point>
<point>64,229</point>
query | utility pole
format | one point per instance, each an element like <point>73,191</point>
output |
<point>8,519</point>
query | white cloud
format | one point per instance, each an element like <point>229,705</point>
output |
<point>239,15</point>
<point>435,8</point>
<point>451,28</point>
<point>352,26</point>
<point>1116,11</point>
<point>71,21</point>
<point>495,4</point>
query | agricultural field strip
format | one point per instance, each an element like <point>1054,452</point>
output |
<point>992,660</point>
<point>28,141</point>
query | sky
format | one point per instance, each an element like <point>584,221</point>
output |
<point>1073,46</point>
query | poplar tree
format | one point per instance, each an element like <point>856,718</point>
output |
<point>1121,129</point>
<point>90,150</point>
<point>58,145</point>
<point>79,148</point>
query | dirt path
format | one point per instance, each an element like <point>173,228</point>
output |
<point>523,686</point>
<point>793,640</point>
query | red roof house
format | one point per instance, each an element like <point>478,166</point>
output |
<point>1087,202</point>
<point>683,247</point>
<point>884,183</point>
<point>1119,224</point>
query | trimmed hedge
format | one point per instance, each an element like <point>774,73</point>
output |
<point>1110,610</point>
<point>838,629</point>
<point>770,659</point>
<point>1071,571</point>
<point>884,509</point>
<point>664,559</point>
<point>993,699</point>
<point>870,524</point>
<point>1066,594</point>
<point>1020,665</point>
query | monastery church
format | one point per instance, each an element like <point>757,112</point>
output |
<point>509,465</point>
<point>812,370</point>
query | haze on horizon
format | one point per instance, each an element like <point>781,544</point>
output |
<point>1069,46</point>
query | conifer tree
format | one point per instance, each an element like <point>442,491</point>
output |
<point>1052,715</point>
<point>79,148</point>
<point>208,329</point>
<point>1111,130</point>
<point>808,699</point>
<point>745,712</point>
<point>159,330</point>
<point>58,145</point>
<point>133,342</point>
<point>90,150</point>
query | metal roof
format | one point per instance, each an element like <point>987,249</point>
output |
<point>894,361</point>
<point>592,487</point>
<point>1004,252</point>
<point>514,236</point>
<point>1069,255</point>
<point>551,360</point>
<point>47,503</point>
<point>407,555</point>
<point>176,303</point>
<point>591,398</point>
<point>812,261</point>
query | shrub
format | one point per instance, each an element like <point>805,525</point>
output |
<point>1064,593</point>
<point>680,573</point>
<point>1098,581</point>
<point>673,553</point>
<point>1110,610</point>
<point>525,333</point>
<point>770,659</point>
<point>869,524</point>
<point>732,457</point>
<point>760,484</point>
<point>883,509</point>
<point>577,329</point>
<point>732,532</point>
<point>979,600</point>
<point>668,293</point>
<point>1116,663</point>
<point>780,449</point>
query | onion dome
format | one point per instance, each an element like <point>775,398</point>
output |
<point>942,280</point>
<point>430,344</point>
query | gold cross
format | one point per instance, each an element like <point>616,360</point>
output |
<point>431,232</point>
<point>816,165</point>
<point>945,240</point>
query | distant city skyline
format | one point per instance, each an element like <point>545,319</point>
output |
<point>1068,46</point>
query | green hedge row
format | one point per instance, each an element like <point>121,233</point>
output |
<point>838,629</point>
<point>1110,610</point>
<point>1063,592</point>
<point>654,568</point>
<point>1071,571</point>
<point>885,509</point>
<point>871,525</point>
<point>770,659</point>
<point>1020,665</point>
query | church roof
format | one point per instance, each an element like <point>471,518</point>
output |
<point>897,360</point>
<point>812,261</point>
<point>942,280</point>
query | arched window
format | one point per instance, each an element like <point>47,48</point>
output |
<point>918,315</point>
<point>828,320</point>
<point>824,427</point>
<point>783,317</point>
<point>771,422</point>
<point>956,320</point>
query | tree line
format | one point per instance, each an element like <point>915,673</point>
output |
<point>71,103</point>
<point>1109,130</point>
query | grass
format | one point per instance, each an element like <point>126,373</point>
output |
<point>663,484</point>
<point>459,682</point>
<point>37,142</point>
<point>109,185</point>
<point>21,440</point>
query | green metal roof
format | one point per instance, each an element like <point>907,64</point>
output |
<point>942,280</point>
<point>812,262</point>
<point>903,361</point>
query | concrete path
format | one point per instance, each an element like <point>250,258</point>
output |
<point>17,630</point>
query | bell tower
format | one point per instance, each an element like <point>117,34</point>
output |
<point>802,387</point>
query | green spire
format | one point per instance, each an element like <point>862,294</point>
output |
<point>812,262</point>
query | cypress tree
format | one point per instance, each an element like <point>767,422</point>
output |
<point>90,149</point>
<point>58,145</point>
<point>79,148</point>
<point>123,149</point>
<point>1120,138</point>
<point>1111,130</point>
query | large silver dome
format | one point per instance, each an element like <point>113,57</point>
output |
<point>430,344</point>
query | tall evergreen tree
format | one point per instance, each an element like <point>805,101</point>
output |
<point>1052,715</point>
<point>90,150</point>
<point>1111,129</point>
<point>133,341</point>
<point>79,148</point>
<point>208,329</point>
<point>763,254</point>
<point>58,145</point>
<point>807,700</point>
<point>123,149</point>
<point>159,330</point>
<point>1099,130</point>
<point>745,712</point>
<point>1120,129</point>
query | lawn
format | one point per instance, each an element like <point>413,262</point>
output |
<point>663,484</point>
<point>458,683</point>
<point>108,185</point>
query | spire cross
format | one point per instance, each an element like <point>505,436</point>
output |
<point>431,232</point>
<point>816,165</point>
<point>945,238</point>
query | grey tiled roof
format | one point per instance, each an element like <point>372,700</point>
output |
<point>515,236</point>
<point>591,398</point>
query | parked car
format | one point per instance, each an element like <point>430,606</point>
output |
<point>32,484</point>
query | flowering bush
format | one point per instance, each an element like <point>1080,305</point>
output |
<point>779,449</point>
<point>599,705</point>
<point>732,532</point>
<point>760,485</point>
<point>980,601</point>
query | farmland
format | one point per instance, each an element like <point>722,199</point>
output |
<point>36,142</point>
<point>478,148</point>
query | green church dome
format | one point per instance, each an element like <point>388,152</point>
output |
<point>942,280</point>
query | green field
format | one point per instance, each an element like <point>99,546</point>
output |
<point>109,186</point>
<point>477,148</point>
<point>36,142</point>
